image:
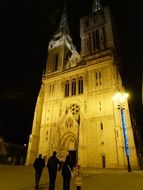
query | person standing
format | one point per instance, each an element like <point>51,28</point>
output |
<point>53,165</point>
<point>78,177</point>
<point>66,172</point>
<point>39,164</point>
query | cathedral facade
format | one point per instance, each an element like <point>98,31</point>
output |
<point>75,112</point>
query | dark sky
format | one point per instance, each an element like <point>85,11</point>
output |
<point>25,29</point>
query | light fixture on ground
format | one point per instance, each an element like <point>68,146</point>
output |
<point>120,98</point>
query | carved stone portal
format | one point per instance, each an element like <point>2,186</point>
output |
<point>67,143</point>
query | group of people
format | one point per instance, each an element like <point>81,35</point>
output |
<point>54,165</point>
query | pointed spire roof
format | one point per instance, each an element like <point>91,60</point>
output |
<point>62,34</point>
<point>63,26</point>
<point>96,6</point>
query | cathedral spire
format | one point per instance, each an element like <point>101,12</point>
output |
<point>96,5</point>
<point>62,34</point>
<point>63,27</point>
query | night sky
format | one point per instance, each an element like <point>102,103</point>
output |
<point>25,29</point>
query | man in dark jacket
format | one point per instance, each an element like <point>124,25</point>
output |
<point>53,165</point>
<point>38,164</point>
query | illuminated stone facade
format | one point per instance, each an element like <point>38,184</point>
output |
<point>74,111</point>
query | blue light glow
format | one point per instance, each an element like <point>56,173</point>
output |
<point>125,133</point>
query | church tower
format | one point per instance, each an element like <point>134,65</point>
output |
<point>75,112</point>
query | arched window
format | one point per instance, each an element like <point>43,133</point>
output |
<point>80,85</point>
<point>67,88</point>
<point>73,87</point>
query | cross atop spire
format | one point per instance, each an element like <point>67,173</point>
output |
<point>96,5</point>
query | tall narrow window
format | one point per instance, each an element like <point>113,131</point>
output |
<point>86,23</point>
<point>103,161</point>
<point>117,133</point>
<point>53,89</point>
<point>97,39</point>
<point>94,40</point>
<point>99,75</point>
<point>101,125</point>
<point>100,106</point>
<point>98,78</point>
<point>73,87</point>
<point>89,42</point>
<point>103,38</point>
<point>80,85</point>
<point>50,89</point>
<point>96,75</point>
<point>67,89</point>
<point>56,61</point>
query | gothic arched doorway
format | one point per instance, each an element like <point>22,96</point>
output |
<point>68,145</point>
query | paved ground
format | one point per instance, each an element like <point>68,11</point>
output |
<point>22,178</point>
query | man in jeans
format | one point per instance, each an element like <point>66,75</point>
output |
<point>53,165</point>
